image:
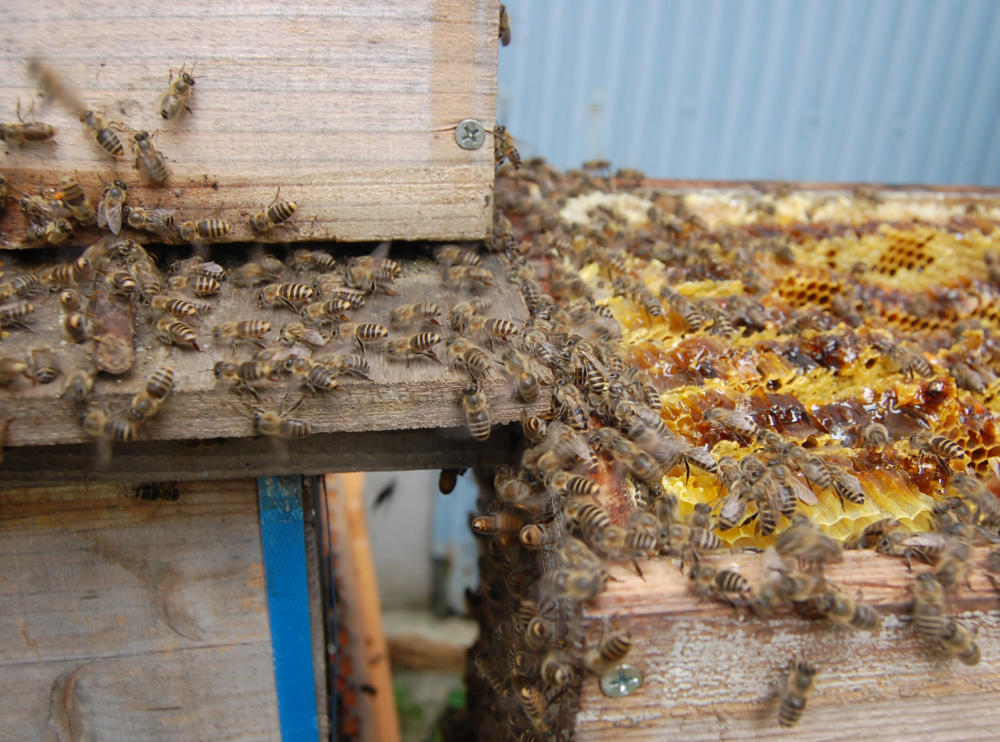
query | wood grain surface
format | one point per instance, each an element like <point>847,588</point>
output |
<point>124,618</point>
<point>345,106</point>
<point>713,673</point>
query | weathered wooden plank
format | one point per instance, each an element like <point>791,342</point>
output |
<point>400,396</point>
<point>711,673</point>
<point>344,105</point>
<point>124,618</point>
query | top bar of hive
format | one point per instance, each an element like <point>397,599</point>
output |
<point>346,106</point>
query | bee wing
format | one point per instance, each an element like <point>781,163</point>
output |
<point>928,540</point>
<point>109,214</point>
<point>801,490</point>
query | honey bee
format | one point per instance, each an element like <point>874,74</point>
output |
<point>313,260</point>
<point>518,366</point>
<point>179,91</point>
<point>53,232</point>
<point>279,425</point>
<point>793,702</point>
<point>573,484</point>
<point>537,536</point>
<point>463,313</point>
<point>953,565</point>
<point>102,133</point>
<point>71,194</point>
<point>846,485</point>
<point>79,385</point>
<point>249,329</point>
<point>245,374</point>
<point>448,255</point>
<point>493,328</point>
<point>109,208</point>
<point>875,435</point>
<point>10,369</point>
<point>319,378</point>
<point>610,651</point>
<point>967,377</point>
<point>158,220</point>
<point>408,314</point>
<point>477,413</point>
<point>43,366</point>
<point>291,295</point>
<point>534,428</point>
<point>350,364</point>
<point>98,424</point>
<point>67,274</point>
<point>732,420</point>
<point>420,344</point>
<point>26,131</point>
<point>804,541</point>
<point>909,361</point>
<point>504,148</point>
<point>556,672</point>
<point>179,308</point>
<point>326,311</point>
<point>507,521</point>
<point>956,639</point>
<point>296,332</point>
<point>172,331</point>
<point>15,313</point>
<point>256,273</point>
<point>203,286</point>
<point>122,283</point>
<point>927,615</point>
<point>146,403</point>
<point>368,274</point>
<point>22,285</point>
<point>363,334</point>
<point>569,405</point>
<point>504,32</point>
<point>941,447</point>
<point>448,479</point>
<point>708,582</point>
<point>535,706</point>
<point>586,515</point>
<point>975,493</point>
<point>148,160</point>
<point>277,213</point>
<point>838,608</point>
<point>472,275</point>
<point>77,326</point>
<point>574,584</point>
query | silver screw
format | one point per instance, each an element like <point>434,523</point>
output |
<point>470,134</point>
<point>623,680</point>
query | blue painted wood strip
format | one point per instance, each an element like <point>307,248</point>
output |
<point>282,532</point>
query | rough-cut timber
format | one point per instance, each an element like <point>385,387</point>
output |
<point>712,673</point>
<point>345,106</point>
<point>124,618</point>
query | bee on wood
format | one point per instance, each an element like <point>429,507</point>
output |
<point>799,687</point>
<point>102,133</point>
<point>43,366</point>
<point>493,328</point>
<point>477,412</point>
<point>26,131</point>
<point>203,286</point>
<point>804,541</point>
<point>448,255</point>
<point>172,331</point>
<point>368,273</point>
<point>179,91</point>
<point>10,369</point>
<point>319,260</point>
<point>956,639</point>
<point>255,273</point>
<point>610,651</point>
<point>504,29</point>
<point>175,306</point>
<point>953,565</point>
<point>708,582</point>
<point>279,212</point>
<point>146,403</point>
<point>331,310</point>
<point>296,332</point>
<point>148,160</point>
<point>504,148</point>
<point>838,608</point>
<point>157,221</point>
<point>354,297</point>
<point>14,314</point>
<point>279,425</point>
<point>927,615</point>
<point>291,295</point>
<point>518,365</point>
<point>79,385</point>
<point>206,229</point>
<point>473,275</point>
<point>109,208</point>
<point>574,584</point>
<point>317,377</point>
<point>350,364</point>
<point>98,424</point>
<point>409,314</point>
<point>363,334</point>
<point>249,329</point>
<point>420,344</point>
<point>245,374</point>
<point>72,195</point>
<point>77,326</point>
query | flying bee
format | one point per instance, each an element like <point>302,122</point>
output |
<point>172,331</point>
<point>363,333</point>
<point>296,332</point>
<point>15,313</point>
<point>927,615</point>
<point>277,213</point>
<point>148,160</point>
<point>102,133</point>
<point>504,148</point>
<point>291,295</point>
<point>203,286</point>
<point>420,344</point>
<point>793,702</point>
<point>504,29</point>
<point>463,312</point>
<point>77,326</point>
<point>369,274</point>
<point>26,131</point>
<point>109,208</point>
<point>477,412</point>
<point>408,314</point>
<point>98,424</point>
<point>454,255</point>
<point>312,260</point>
<point>255,273</point>
<point>79,385</point>
<point>472,275</point>
<point>279,425</point>
<point>157,220</point>
<point>43,366</point>
<point>175,306</point>
<point>179,91</point>
<point>610,651</point>
<point>734,421</point>
<point>956,639</point>
<point>326,311</point>
<point>941,447</point>
<point>249,329</point>
<point>518,365</point>
<point>838,608</point>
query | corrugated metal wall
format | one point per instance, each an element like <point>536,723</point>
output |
<point>857,90</point>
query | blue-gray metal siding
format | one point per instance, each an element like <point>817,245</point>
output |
<point>858,90</point>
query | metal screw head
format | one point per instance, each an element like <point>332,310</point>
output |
<point>470,134</point>
<point>623,680</point>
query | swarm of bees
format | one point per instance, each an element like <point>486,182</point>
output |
<point>706,400</point>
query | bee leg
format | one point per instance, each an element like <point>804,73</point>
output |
<point>687,471</point>
<point>638,570</point>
